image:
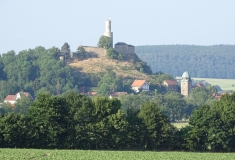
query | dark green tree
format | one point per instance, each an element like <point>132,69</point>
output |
<point>14,131</point>
<point>48,116</point>
<point>158,129</point>
<point>104,42</point>
<point>81,52</point>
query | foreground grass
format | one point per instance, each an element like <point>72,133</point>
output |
<point>11,154</point>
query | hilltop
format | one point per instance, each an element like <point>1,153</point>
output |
<point>129,67</point>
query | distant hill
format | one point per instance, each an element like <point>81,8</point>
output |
<point>215,61</point>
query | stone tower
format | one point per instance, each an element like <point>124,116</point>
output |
<point>186,84</point>
<point>108,32</point>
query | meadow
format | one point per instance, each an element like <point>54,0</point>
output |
<point>11,154</point>
<point>180,125</point>
<point>225,84</point>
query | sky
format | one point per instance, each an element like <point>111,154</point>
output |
<point>27,24</point>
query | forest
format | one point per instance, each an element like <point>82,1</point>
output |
<point>215,61</point>
<point>75,121</point>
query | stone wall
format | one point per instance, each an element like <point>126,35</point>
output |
<point>101,52</point>
<point>125,49</point>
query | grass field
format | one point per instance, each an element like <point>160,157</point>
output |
<point>11,154</point>
<point>225,84</point>
<point>180,125</point>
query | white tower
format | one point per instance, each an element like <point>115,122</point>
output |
<point>108,32</point>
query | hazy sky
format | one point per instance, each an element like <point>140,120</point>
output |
<point>29,23</point>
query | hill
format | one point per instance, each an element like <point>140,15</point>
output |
<point>215,61</point>
<point>127,68</point>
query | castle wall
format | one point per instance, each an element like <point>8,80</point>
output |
<point>125,49</point>
<point>100,51</point>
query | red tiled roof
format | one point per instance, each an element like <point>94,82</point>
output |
<point>200,85</point>
<point>10,98</point>
<point>138,83</point>
<point>171,82</point>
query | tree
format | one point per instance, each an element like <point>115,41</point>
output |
<point>14,131</point>
<point>105,42</point>
<point>48,116</point>
<point>65,48</point>
<point>109,83</point>
<point>114,54</point>
<point>22,105</point>
<point>158,129</point>
<point>175,105</point>
<point>109,127</point>
<point>81,52</point>
<point>80,116</point>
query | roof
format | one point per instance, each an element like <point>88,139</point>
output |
<point>171,82</point>
<point>121,43</point>
<point>200,85</point>
<point>138,83</point>
<point>186,75</point>
<point>10,98</point>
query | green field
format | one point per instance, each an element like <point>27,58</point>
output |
<point>225,84</point>
<point>11,154</point>
<point>180,125</point>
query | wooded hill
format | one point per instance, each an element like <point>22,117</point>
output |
<point>215,61</point>
<point>54,70</point>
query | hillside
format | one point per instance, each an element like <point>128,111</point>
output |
<point>99,63</point>
<point>215,61</point>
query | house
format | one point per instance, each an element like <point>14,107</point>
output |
<point>170,85</point>
<point>90,94</point>
<point>116,94</point>
<point>137,85</point>
<point>13,98</point>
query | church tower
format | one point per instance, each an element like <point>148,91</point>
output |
<point>108,32</point>
<point>186,84</point>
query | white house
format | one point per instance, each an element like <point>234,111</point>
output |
<point>140,84</point>
<point>13,98</point>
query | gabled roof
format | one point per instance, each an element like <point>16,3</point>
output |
<point>10,98</point>
<point>138,83</point>
<point>171,82</point>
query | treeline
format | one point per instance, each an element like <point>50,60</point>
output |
<point>200,61</point>
<point>75,121</point>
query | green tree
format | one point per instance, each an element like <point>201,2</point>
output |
<point>158,129</point>
<point>109,128</point>
<point>48,116</point>
<point>80,116</point>
<point>175,105</point>
<point>114,54</point>
<point>81,52</point>
<point>104,42</point>
<point>65,48</point>
<point>14,131</point>
<point>22,105</point>
<point>109,83</point>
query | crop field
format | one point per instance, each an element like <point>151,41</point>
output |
<point>11,154</point>
<point>225,84</point>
